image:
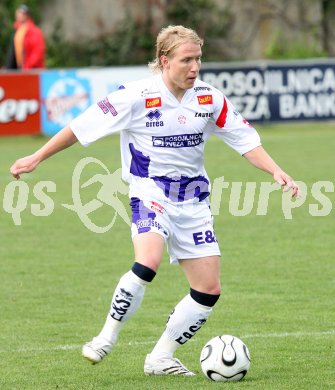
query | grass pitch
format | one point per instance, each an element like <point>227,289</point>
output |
<point>57,277</point>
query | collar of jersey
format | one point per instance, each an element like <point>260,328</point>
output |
<point>170,95</point>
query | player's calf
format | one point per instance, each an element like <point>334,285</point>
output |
<point>126,300</point>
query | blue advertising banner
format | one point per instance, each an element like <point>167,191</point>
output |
<point>303,90</point>
<point>67,93</point>
<point>64,96</point>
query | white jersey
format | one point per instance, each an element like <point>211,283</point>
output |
<point>162,139</point>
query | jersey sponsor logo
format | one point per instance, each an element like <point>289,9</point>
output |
<point>153,102</point>
<point>177,141</point>
<point>148,223</point>
<point>155,124</point>
<point>197,89</point>
<point>182,119</point>
<point>154,117</point>
<point>203,114</point>
<point>146,92</point>
<point>155,206</point>
<point>107,107</point>
<point>201,238</point>
<point>205,99</point>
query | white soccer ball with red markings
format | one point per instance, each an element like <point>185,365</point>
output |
<point>225,358</point>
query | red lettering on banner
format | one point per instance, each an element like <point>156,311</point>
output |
<point>19,104</point>
<point>205,99</point>
<point>153,102</point>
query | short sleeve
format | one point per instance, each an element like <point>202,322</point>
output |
<point>233,129</point>
<point>108,116</point>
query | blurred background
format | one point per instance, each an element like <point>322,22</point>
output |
<point>273,59</point>
<point>123,32</point>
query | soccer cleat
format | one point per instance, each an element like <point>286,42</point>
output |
<point>96,350</point>
<point>165,366</point>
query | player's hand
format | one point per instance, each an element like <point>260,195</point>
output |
<point>287,183</point>
<point>24,165</point>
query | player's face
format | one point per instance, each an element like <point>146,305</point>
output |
<point>181,68</point>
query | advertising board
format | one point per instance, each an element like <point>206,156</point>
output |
<point>19,104</point>
<point>303,90</point>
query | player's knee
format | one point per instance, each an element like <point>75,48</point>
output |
<point>211,287</point>
<point>143,272</point>
<point>205,299</point>
<point>214,289</point>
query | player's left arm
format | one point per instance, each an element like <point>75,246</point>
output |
<point>236,132</point>
<point>262,160</point>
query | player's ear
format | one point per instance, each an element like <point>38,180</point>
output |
<point>164,61</point>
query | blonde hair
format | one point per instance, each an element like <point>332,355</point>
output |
<point>169,39</point>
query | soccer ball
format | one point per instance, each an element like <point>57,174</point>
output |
<point>225,358</point>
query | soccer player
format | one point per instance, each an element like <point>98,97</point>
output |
<point>164,123</point>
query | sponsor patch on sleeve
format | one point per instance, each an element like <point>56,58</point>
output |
<point>107,107</point>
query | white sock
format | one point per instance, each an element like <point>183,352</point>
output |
<point>126,300</point>
<point>185,320</point>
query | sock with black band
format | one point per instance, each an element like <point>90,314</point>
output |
<point>126,300</point>
<point>143,272</point>
<point>184,322</point>
<point>203,298</point>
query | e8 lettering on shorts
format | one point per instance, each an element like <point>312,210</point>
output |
<point>204,237</point>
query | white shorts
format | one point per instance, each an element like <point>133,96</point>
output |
<point>186,227</point>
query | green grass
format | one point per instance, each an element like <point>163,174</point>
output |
<point>57,277</point>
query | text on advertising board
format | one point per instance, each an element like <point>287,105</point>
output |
<point>19,104</point>
<point>278,92</point>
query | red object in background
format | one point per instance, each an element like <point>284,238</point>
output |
<point>19,104</point>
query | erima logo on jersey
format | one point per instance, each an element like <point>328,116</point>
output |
<point>154,119</point>
<point>205,99</point>
<point>177,141</point>
<point>153,102</point>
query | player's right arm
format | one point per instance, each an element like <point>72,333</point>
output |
<point>62,140</point>
<point>109,116</point>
